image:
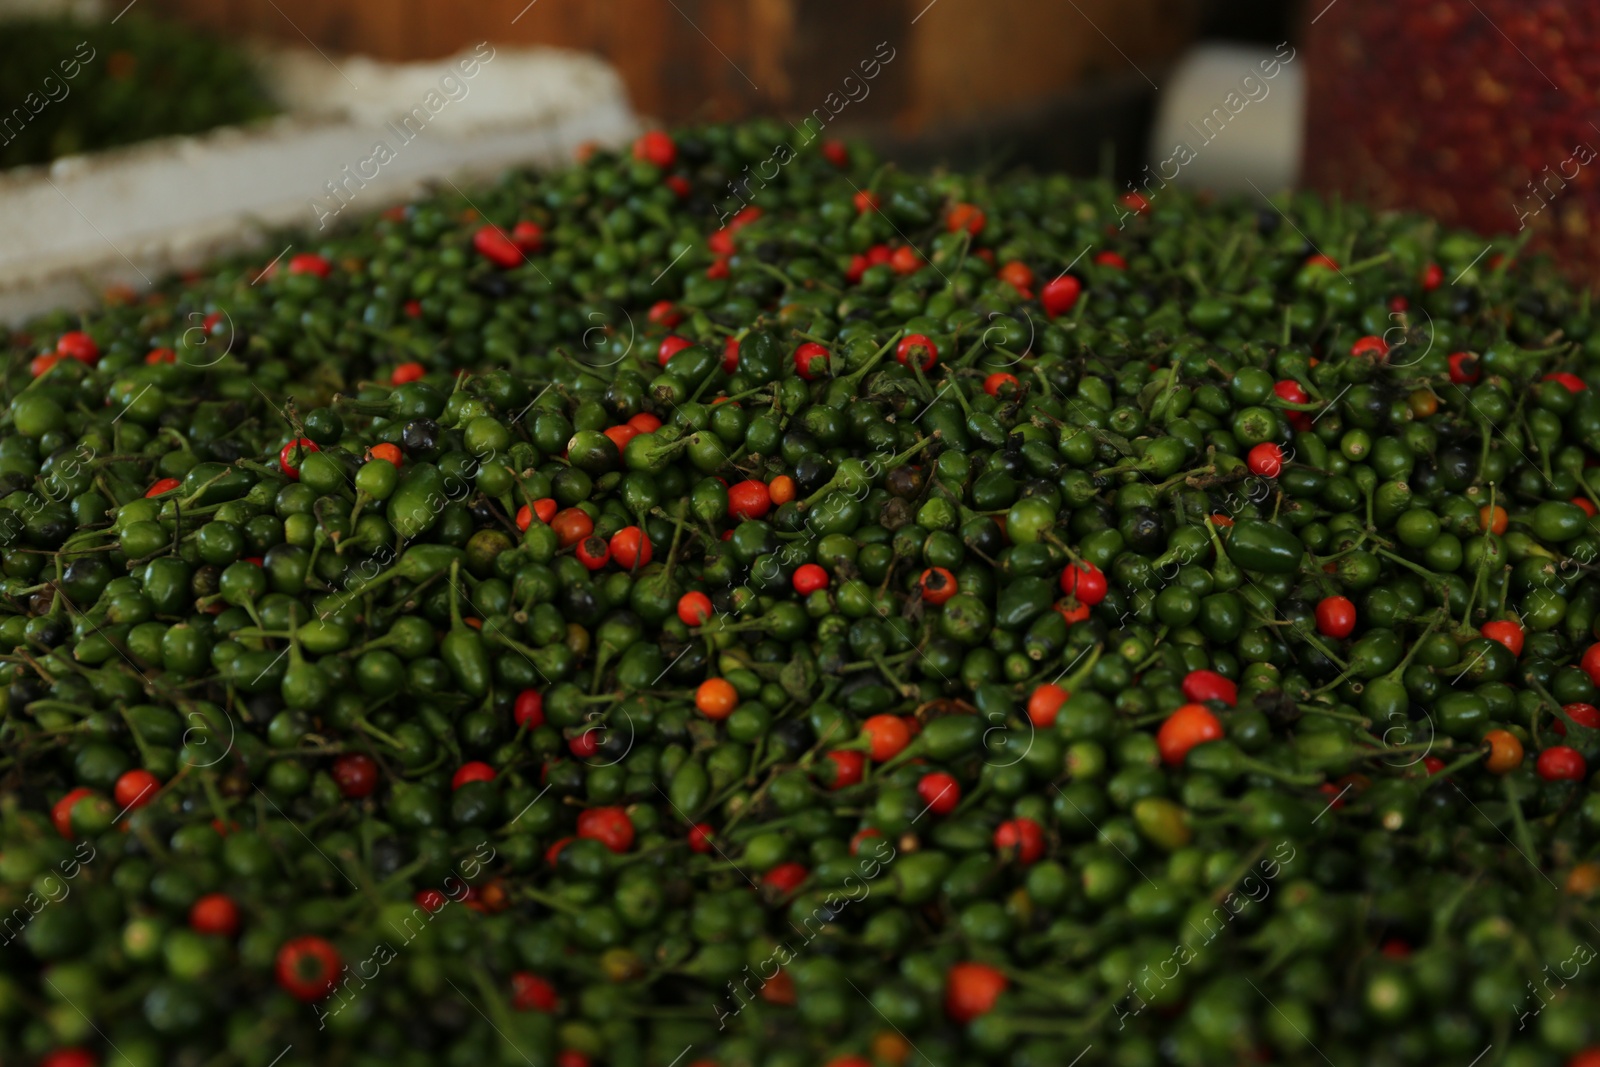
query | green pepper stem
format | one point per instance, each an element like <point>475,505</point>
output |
<point>1519,823</point>
<point>872,361</point>
<point>1328,713</point>
<point>1443,773</point>
<point>1420,570</point>
<point>372,731</point>
<point>1556,708</point>
<point>889,464</point>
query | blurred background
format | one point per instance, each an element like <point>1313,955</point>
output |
<point>1045,81</point>
<point>1053,82</point>
<point>1480,112</point>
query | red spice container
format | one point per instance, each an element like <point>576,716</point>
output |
<point>1479,112</point>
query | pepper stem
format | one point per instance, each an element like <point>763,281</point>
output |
<point>860,372</point>
<point>455,595</point>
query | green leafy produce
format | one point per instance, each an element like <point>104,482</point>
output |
<point>68,87</point>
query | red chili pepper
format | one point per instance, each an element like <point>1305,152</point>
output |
<point>1021,837</point>
<point>1060,295</point>
<point>473,771</point>
<point>307,967</point>
<point>593,552</point>
<point>1202,685</point>
<point>918,347</point>
<point>1289,391</point>
<point>1464,368</point>
<point>700,837</point>
<point>528,237</point>
<point>529,992</point>
<point>655,146</point>
<point>528,710</point>
<point>61,811</point>
<point>620,435</point>
<point>70,1057</point>
<point>1560,763</point>
<point>1336,616</point>
<point>1506,632</point>
<point>553,853</point>
<point>407,372</point>
<point>1190,725</point>
<point>295,450</point>
<point>998,381</point>
<point>75,344</point>
<point>694,608</point>
<point>971,990</point>
<point>906,260</point>
<point>848,767</point>
<point>1019,276</point>
<point>630,547</point>
<point>968,217</point>
<point>1371,346</point>
<point>887,736</point>
<point>1084,582</point>
<point>940,792</point>
<point>216,914</point>
<point>1265,459</point>
<point>608,825</point>
<point>749,499</point>
<point>670,346</point>
<point>809,578</point>
<point>356,775</point>
<point>1073,611</point>
<point>1044,704</point>
<point>938,585</point>
<point>785,878</point>
<point>135,789</point>
<point>493,244</point>
<point>811,360</point>
<point>310,263</point>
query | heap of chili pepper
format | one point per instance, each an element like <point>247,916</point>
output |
<point>879,619</point>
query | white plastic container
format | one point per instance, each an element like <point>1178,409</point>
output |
<point>130,215</point>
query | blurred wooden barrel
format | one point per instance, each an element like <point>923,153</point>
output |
<point>1480,112</point>
<point>948,61</point>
